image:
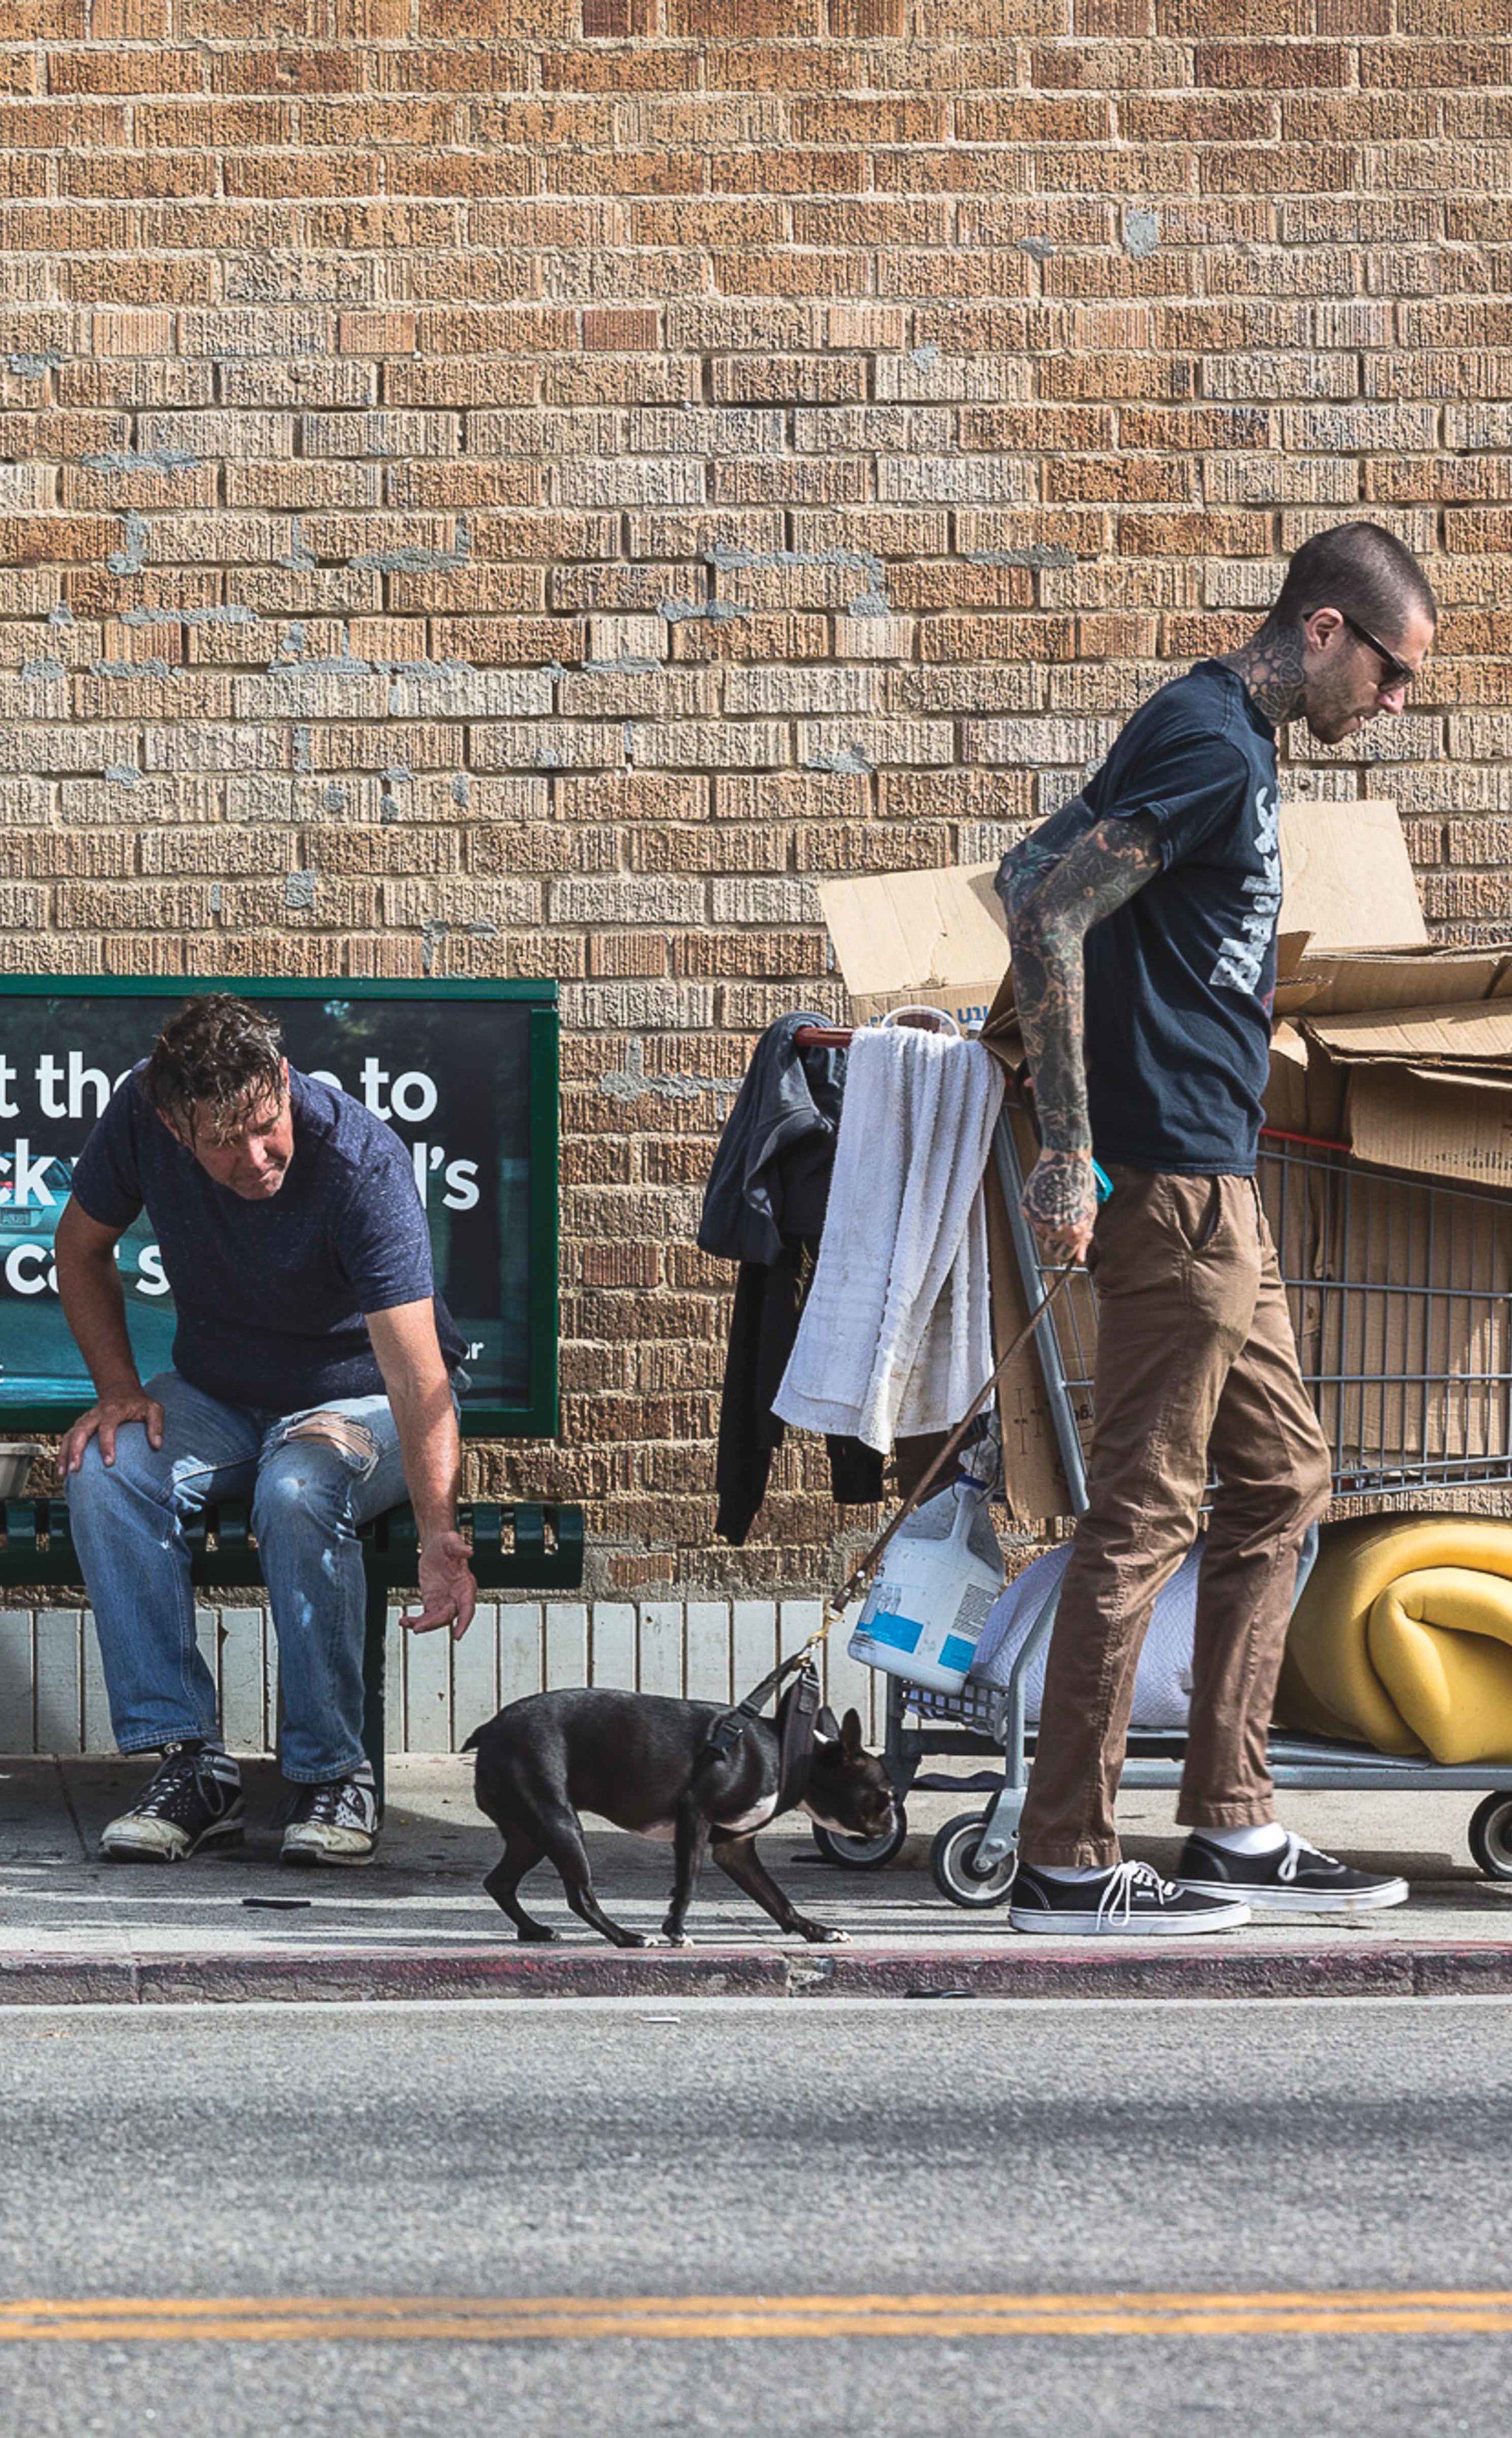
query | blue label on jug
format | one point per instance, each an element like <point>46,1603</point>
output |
<point>955,1651</point>
<point>895,1633</point>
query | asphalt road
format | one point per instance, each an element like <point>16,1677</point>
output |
<point>726,2149</point>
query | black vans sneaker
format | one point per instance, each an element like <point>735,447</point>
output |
<point>335,1823</point>
<point>1129,1902</point>
<point>1294,1877</point>
<point>192,1799</point>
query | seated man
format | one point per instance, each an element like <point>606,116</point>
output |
<point>312,1373</point>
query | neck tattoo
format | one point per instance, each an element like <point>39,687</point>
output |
<point>1271,669</point>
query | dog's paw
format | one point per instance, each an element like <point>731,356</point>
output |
<point>637,1938</point>
<point>676,1939</point>
<point>819,1934</point>
<point>540,1936</point>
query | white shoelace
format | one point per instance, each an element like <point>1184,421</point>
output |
<point>1295,1847</point>
<point>1129,1879</point>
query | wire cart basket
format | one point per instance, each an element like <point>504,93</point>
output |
<point>1401,1296</point>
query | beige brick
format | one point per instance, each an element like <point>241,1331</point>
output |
<point>569,474</point>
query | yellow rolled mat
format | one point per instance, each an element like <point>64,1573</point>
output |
<point>1404,1639</point>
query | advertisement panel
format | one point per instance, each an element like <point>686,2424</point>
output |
<point>463,1072</point>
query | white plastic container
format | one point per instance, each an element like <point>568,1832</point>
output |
<point>927,1610</point>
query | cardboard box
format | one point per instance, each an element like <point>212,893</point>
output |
<point>1433,1122</point>
<point>1478,1034</point>
<point>1348,876</point>
<point>938,939</point>
<point>919,939</point>
<point>1401,1295</point>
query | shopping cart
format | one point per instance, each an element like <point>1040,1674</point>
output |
<point>1402,1299</point>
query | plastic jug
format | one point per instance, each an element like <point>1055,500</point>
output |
<point>925,1612</point>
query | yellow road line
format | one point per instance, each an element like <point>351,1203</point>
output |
<point>487,2319</point>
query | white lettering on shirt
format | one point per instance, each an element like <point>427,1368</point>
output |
<point>1241,960</point>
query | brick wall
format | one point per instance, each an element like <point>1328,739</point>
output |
<point>527,486</point>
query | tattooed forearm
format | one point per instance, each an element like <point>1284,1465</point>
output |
<point>1109,865</point>
<point>1026,865</point>
<point>1271,667</point>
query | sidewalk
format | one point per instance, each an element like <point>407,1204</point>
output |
<point>416,1924</point>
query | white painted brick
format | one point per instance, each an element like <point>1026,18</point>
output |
<point>566,1643</point>
<point>613,1654</point>
<point>708,1635</point>
<point>659,1648</point>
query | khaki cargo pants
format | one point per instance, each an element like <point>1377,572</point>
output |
<point>1196,1365</point>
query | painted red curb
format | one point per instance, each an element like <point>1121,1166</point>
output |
<point>1012,1968</point>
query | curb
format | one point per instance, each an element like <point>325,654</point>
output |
<point>1004,1971</point>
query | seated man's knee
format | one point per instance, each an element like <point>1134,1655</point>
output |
<point>311,1473</point>
<point>138,1467</point>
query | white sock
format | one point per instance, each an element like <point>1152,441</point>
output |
<point>1064,1871</point>
<point>1263,1839</point>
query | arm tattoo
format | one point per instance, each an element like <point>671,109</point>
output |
<point>1101,872</point>
<point>1025,866</point>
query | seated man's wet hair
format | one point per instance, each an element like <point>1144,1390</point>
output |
<point>216,1065</point>
<point>1361,570</point>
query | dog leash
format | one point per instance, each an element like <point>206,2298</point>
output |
<point>728,1729</point>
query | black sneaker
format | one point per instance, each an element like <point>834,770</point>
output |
<point>193,1798</point>
<point>1129,1902</point>
<point>1294,1877</point>
<point>335,1823</point>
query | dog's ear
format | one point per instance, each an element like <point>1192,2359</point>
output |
<point>851,1733</point>
<point>826,1726</point>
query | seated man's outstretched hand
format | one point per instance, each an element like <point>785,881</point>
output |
<point>106,1418</point>
<point>448,1592</point>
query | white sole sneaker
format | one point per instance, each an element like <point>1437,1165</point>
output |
<point>1386,1892</point>
<point>306,1852</point>
<point>162,1841</point>
<point>1156,1925</point>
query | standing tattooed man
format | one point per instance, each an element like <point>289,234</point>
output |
<point>1143,923</point>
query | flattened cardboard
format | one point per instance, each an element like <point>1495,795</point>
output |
<point>1430,1121</point>
<point>1479,1034</point>
<point>1348,876</point>
<point>938,939</point>
<point>1362,984</point>
<point>919,939</point>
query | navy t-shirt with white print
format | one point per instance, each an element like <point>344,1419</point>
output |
<point>270,1295</point>
<point>1180,979</point>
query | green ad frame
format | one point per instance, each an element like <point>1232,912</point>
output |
<point>537,1417</point>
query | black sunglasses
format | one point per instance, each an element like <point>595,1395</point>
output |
<point>1396,672</point>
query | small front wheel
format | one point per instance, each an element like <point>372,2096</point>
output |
<point>862,1853</point>
<point>1492,1836</point>
<point>953,1860</point>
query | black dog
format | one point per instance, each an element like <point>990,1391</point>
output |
<point>644,1762</point>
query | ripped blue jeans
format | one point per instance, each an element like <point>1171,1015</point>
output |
<point>312,1479</point>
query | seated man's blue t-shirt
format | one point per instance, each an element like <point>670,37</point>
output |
<point>1180,979</point>
<point>270,1295</point>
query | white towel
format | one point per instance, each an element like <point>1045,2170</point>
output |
<point>896,1337</point>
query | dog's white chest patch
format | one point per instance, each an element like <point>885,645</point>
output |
<point>746,1821</point>
<point>663,1832</point>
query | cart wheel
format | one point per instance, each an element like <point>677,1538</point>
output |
<point>1492,1836</point>
<point>861,1853</point>
<point>953,1860</point>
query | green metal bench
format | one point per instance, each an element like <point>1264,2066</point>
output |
<point>525,1547</point>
